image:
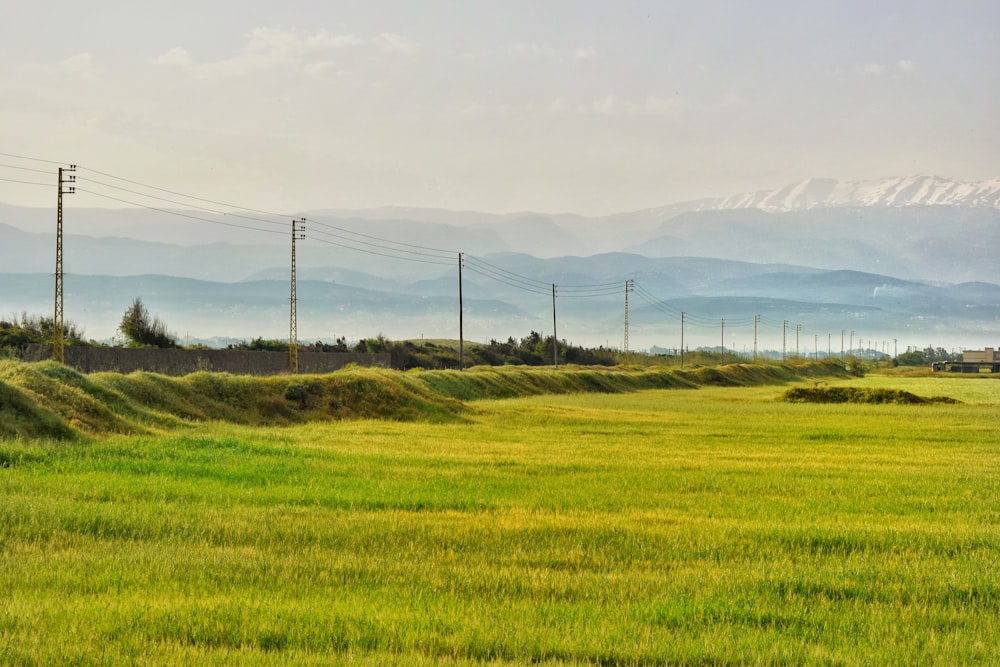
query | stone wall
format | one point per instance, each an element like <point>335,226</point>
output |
<point>183,362</point>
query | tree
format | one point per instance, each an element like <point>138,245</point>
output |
<point>34,330</point>
<point>141,330</point>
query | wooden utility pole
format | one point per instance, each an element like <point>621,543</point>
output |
<point>625,343</point>
<point>555,338</point>
<point>461,331</point>
<point>298,229</point>
<point>784,339</point>
<point>58,320</point>
<point>682,339</point>
<point>756,321</point>
<point>723,335</point>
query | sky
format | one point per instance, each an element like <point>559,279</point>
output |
<point>585,106</point>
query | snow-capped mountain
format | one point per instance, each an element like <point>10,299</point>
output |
<point>886,192</point>
<point>817,193</point>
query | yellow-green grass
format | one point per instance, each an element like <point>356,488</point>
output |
<point>50,400</point>
<point>984,388</point>
<point>718,526</point>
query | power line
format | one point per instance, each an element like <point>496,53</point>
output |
<point>590,294</point>
<point>380,247</point>
<point>14,166</point>
<point>527,288</point>
<point>375,245</point>
<point>449,253</point>
<point>33,159</point>
<point>12,180</point>
<point>178,213</point>
<point>380,254</point>
<point>181,194</point>
<point>518,276</point>
<point>185,204</point>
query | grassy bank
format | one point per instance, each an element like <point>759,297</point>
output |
<point>47,400</point>
<point>719,526</point>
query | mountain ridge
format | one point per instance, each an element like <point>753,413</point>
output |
<point>891,192</point>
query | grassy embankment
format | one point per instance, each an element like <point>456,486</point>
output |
<point>660,527</point>
<point>53,401</point>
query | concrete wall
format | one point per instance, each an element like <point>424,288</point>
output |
<point>183,362</point>
<point>987,356</point>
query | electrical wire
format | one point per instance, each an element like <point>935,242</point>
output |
<point>385,247</point>
<point>516,276</point>
<point>14,166</point>
<point>12,180</point>
<point>381,254</point>
<point>382,247</point>
<point>181,194</point>
<point>33,159</point>
<point>178,213</point>
<point>500,279</point>
<point>185,204</point>
<point>449,253</point>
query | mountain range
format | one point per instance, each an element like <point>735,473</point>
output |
<point>909,259</point>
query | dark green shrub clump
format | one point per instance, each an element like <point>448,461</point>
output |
<point>858,395</point>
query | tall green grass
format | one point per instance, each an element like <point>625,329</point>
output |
<point>719,526</point>
<point>49,400</point>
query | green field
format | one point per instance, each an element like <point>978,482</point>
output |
<point>718,525</point>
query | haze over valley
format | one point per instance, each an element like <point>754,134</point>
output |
<point>909,259</point>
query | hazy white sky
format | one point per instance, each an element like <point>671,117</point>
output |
<point>497,105</point>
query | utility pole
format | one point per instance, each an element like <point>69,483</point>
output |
<point>555,339</point>
<point>58,324</point>
<point>798,328</point>
<point>628,286</point>
<point>850,349</point>
<point>682,339</point>
<point>842,332</point>
<point>461,331</point>
<point>298,233</point>
<point>784,338</point>
<point>756,321</point>
<point>828,344</point>
<point>816,346</point>
<point>895,348</point>
<point>723,346</point>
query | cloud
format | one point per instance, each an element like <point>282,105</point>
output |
<point>480,109</point>
<point>532,50</point>
<point>395,43</point>
<point>175,57</point>
<point>324,41</point>
<point>905,65</point>
<point>652,105</point>
<point>546,50</point>
<point>82,65</point>
<point>609,105</point>
<point>871,69</point>
<point>322,69</point>
<point>269,48</point>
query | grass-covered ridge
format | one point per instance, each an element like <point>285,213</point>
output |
<point>47,400</point>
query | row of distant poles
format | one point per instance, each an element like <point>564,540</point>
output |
<point>67,177</point>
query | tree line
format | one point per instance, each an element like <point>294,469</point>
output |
<point>139,328</point>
